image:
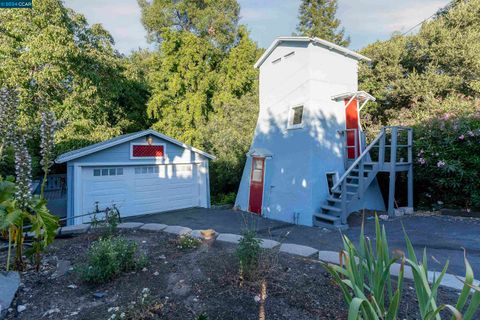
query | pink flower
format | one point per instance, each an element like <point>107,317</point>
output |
<point>421,161</point>
<point>441,164</point>
<point>461,137</point>
<point>446,116</point>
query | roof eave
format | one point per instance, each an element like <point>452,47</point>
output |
<point>62,159</point>
<point>325,43</point>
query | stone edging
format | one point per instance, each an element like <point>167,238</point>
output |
<point>449,280</point>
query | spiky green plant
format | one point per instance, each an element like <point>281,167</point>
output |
<point>364,277</point>
<point>427,294</point>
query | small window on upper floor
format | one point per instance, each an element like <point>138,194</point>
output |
<point>295,118</point>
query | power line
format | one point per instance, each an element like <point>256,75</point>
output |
<point>418,24</point>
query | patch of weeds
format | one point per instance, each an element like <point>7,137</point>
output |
<point>108,257</point>
<point>188,242</point>
<point>143,308</point>
<point>248,253</point>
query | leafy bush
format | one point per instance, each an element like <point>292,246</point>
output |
<point>108,257</point>
<point>188,242</point>
<point>248,252</point>
<point>446,151</point>
<point>225,198</point>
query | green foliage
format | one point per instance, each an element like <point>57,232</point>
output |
<point>317,19</point>
<point>427,295</point>
<point>108,257</point>
<point>188,242</point>
<point>364,277</point>
<point>429,81</point>
<point>59,63</point>
<point>248,252</point>
<point>222,199</point>
<point>215,21</point>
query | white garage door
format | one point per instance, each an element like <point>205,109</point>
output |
<point>139,190</point>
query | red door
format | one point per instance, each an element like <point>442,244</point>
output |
<point>351,122</point>
<point>256,185</point>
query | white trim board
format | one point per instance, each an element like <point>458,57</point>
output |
<point>114,142</point>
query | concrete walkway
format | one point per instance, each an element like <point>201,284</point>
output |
<point>443,236</point>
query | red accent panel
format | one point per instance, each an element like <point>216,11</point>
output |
<point>351,122</point>
<point>256,185</point>
<point>147,151</point>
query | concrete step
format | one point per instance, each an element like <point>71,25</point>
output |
<point>331,208</point>
<point>328,221</point>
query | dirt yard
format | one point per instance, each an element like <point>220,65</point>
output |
<point>184,284</point>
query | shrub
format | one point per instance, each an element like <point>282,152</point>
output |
<point>225,198</point>
<point>108,257</point>
<point>248,252</point>
<point>188,242</point>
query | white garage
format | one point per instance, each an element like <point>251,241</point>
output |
<point>140,173</point>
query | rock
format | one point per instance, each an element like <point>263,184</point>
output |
<point>179,230</point>
<point>298,250</point>
<point>21,308</point>
<point>72,286</point>
<point>63,267</point>
<point>153,227</point>
<point>383,217</point>
<point>162,257</point>
<point>156,273</point>
<point>130,225</point>
<point>268,244</point>
<point>51,311</point>
<point>99,294</point>
<point>329,256</point>
<point>76,229</point>
<point>9,283</point>
<point>229,237</point>
<point>197,234</point>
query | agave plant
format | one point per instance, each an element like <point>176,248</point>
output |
<point>364,277</point>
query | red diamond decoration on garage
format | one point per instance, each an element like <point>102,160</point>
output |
<point>140,151</point>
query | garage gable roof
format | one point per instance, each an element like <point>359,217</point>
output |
<point>75,154</point>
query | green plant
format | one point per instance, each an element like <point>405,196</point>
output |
<point>248,252</point>
<point>10,214</point>
<point>188,242</point>
<point>225,198</point>
<point>364,277</point>
<point>108,257</point>
<point>427,295</point>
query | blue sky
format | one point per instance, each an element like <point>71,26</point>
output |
<point>364,20</point>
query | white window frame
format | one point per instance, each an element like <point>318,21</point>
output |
<point>147,144</point>
<point>291,113</point>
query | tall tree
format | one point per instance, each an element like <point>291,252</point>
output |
<point>215,20</point>
<point>57,62</point>
<point>317,19</point>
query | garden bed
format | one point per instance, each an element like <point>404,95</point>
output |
<point>183,284</point>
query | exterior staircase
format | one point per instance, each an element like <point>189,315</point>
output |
<point>349,191</point>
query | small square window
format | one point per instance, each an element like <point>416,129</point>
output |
<point>138,170</point>
<point>96,172</point>
<point>119,171</point>
<point>296,117</point>
<point>104,172</point>
<point>144,170</point>
<point>112,172</point>
<point>150,169</point>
